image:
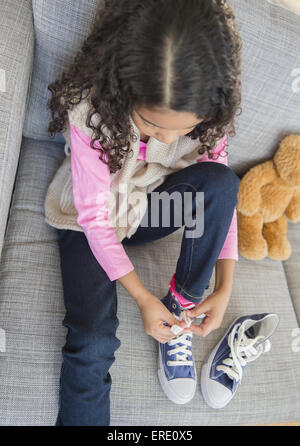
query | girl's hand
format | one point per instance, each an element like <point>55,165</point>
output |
<point>214,307</point>
<point>154,314</point>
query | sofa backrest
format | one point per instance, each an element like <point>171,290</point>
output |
<point>270,71</point>
<point>270,82</point>
<point>60,29</point>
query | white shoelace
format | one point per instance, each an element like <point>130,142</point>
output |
<point>181,351</point>
<point>242,351</point>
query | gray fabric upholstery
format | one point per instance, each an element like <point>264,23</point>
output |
<point>264,396</point>
<point>17,39</point>
<point>271,107</point>
<point>292,266</point>
<point>31,293</point>
<point>60,28</point>
<point>32,310</point>
<point>31,304</point>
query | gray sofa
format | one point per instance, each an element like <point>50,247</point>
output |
<point>38,38</point>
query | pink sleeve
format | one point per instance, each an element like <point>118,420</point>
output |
<point>230,247</point>
<point>91,190</point>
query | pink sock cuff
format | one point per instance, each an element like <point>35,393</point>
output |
<point>186,304</point>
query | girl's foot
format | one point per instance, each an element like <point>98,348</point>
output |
<point>176,370</point>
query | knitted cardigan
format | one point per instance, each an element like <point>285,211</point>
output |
<point>129,185</point>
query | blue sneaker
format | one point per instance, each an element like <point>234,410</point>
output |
<point>176,369</point>
<point>245,341</point>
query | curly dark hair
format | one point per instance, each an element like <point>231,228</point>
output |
<point>124,63</point>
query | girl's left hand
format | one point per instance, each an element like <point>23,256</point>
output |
<point>214,307</point>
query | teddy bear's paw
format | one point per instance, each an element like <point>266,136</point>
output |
<point>279,248</point>
<point>293,210</point>
<point>249,195</point>
<point>251,242</point>
<point>248,203</point>
<point>253,251</point>
<point>294,217</point>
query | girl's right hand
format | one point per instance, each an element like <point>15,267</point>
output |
<point>154,314</point>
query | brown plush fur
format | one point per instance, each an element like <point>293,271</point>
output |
<point>269,193</point>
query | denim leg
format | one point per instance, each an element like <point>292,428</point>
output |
<point>199,253</point>
<point>91,306</point>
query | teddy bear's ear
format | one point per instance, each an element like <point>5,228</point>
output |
<point>249,195</point>
<point>287,160</point>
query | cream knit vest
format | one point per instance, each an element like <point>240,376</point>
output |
<point>129,185</point>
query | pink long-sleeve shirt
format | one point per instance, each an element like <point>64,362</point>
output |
<point>89,176</point>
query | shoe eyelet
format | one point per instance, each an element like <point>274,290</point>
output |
<point>168,363</point>
<point>67,150</point>
<point>174,306</point>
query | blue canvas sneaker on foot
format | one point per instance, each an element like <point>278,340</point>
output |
<point>246,339</point>
<point>176,369</point>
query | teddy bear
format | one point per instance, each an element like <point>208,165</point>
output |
<point>269,193</point>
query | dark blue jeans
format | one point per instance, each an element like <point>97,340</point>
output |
<point>90,297</point>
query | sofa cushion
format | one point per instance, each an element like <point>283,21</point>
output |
<point>292,266</point>
<point>270,91</point>
<point>60,29</point>
<point>32,311</point>
<point>258,287</point>
<point>16,57</point>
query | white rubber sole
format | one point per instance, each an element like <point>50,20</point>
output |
<point>205,372</point>
<point>204,377</point>
<point>164,384</point>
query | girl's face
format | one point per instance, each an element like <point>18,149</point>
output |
<point>163,124</point>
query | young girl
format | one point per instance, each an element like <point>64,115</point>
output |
<point>147,104</point>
